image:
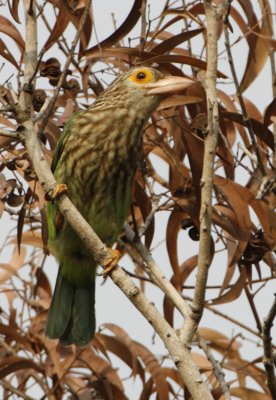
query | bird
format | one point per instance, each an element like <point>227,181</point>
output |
<point>95,160</point>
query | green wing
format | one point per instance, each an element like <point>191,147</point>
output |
<point>62,141</point>
<point>51,206</point>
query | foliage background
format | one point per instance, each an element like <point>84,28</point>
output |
<point>244,236</point>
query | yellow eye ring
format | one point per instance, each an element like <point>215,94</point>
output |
<point>142,75</point>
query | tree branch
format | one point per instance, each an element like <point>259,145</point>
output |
<point>218,371</point>
<point>204,256</point>
<point>157,276</point>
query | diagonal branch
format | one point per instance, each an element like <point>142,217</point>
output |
<point>156,275</point>
<point>218,371</point>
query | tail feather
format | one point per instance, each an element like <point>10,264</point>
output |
<point>71,317</point>
<point>81,328</point>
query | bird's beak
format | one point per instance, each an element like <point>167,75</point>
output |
<point>168,84</point>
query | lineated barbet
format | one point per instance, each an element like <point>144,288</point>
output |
<point>96,158</point>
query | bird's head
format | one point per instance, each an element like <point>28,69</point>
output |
<point>152,82</point>
<point>142,88</point>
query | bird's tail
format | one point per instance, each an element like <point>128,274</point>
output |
<point>71,317</point>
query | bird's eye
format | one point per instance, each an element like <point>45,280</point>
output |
<point>141,76</point>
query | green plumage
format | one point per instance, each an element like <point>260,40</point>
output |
<point>96,157</point>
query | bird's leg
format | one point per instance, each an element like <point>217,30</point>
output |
<point>59,189</point>
<point>111,261</point>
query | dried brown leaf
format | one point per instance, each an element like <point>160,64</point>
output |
<point>12,364</point>
<point>219,342</point>
<point>16,262</point>
<point>269,113</point>
<point>120,33</point>
<point>7,122</point>
<point>243,368</point>
<point>123,349</point>
<point>12,334</point>
<point>259,52</point>
<point>20,225</point>
<point>233,293</point>
<point>14,9</point>
<point>104,371</point>
<point>186,268</point>
<point>154,368</point>
<point>186,13</point>
<point>61,24</point>
<point>178,100</point>
<point>147,390</point>
<point>6,186</point>
<point>176,40</point>
<point>31,237</point>
<point>252,110</point>
<point>201,361</point>
<point>2,207</point>
<point>248,394</point>
<point>234,195</point>
<point>124,53</point>
<point>263,133</point>
<point>195,150</point>
<point>43,287</point>
<point>73,12</point>
<point>9,29</point>
<point>173,227</point>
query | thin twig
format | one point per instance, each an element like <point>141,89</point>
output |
<point>156,275</point>
<point>14,134</point>
<point>218,371</point>
<point>143,11</point>
<point>228,318</point>
<point>231,285</point>
<point>149,218</point>
<point>268,359</point>
<point>253,308</point>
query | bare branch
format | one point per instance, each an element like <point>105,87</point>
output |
<point>219,374</point>
<point>204,257</point>
<point>157,276</point>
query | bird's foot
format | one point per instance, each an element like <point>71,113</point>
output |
<point>59,189</point>
<point>111,262</point>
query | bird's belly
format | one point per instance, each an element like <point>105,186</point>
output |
<point>103,198</point>
<point>109,207</point>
